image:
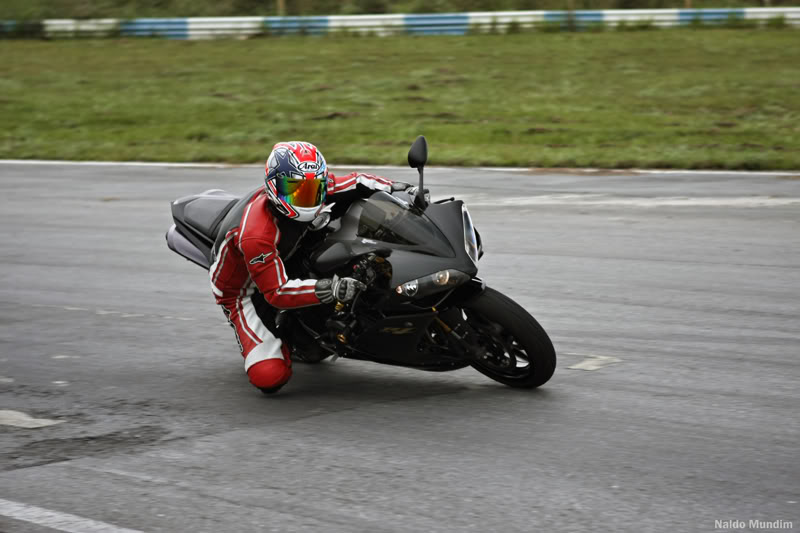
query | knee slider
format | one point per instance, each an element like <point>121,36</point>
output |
<point>270,373</point>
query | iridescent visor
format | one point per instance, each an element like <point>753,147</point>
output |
<point>301,192</point>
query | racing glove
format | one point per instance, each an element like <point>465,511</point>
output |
<point>400,186</point>
<point>412,191</point>
<point>336,288</point>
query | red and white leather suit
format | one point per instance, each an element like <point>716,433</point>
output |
<point>248,265</point>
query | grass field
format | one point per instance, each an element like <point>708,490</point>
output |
<point>663,98</point>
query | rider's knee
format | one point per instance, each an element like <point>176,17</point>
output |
<point>270,373</point>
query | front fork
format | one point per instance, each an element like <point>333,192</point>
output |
<point>462,337</point>
<point>342,323</point>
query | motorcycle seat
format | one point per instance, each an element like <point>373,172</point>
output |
<point>205,212</point>
<point>232,218</point>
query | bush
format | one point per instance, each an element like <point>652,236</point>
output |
<point>697,23</point>
<point>349,8</point>
<point>571,23</point>
<point>776,23</point>
<point>549,26</point>
<point>474,29</point>
<point>735,22</point>
<point>373,6</point>
<point>514,27</point>
<point>595,27</point>
<point>432,6</point>
<point>22,30</point>
<point>480,5</point>
<point>643,25</point>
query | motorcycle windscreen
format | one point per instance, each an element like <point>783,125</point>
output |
<point>387,219</point>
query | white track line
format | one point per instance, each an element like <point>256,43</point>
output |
<point>718,172</point>
<point>23,420</point>
<point>602,200</point>
<point>106,312</point>
<point>57,520</point>
<point>402,167</point>
<point>117,163</point>
<point>644,171</point>
<point>594,362</point>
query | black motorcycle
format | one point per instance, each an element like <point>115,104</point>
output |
<point>424,306</point>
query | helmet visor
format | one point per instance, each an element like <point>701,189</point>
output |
<point>301,192</point>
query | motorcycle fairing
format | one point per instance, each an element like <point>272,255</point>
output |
<point>444,250</point>
<point>396,337</point>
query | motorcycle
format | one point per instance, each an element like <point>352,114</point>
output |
<point>423,307</point>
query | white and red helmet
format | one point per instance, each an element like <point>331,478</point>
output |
<point>296,177</point>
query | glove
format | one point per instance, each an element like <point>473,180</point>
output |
<point>412,190</point>
<point>341,289</point>
<point>400,186</point>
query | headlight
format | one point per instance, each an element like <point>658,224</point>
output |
<point>470,240</point>
<point>442,280</point>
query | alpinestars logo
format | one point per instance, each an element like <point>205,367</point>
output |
<point>261,258</point>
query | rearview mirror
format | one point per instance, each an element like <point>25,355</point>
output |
<point>418,155</point>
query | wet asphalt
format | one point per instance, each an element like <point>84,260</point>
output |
<point>682,289</point>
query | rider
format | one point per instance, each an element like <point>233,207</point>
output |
<point>249,278</point>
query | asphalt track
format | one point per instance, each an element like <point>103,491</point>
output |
<point>688,286</point>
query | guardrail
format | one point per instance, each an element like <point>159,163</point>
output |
<point>437,24</point>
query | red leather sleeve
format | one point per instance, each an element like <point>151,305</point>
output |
<point>356,181</point>
<point>267,271</point>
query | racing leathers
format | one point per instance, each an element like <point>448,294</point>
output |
<point>249,278</point>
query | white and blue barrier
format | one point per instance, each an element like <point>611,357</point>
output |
<point>435,24</point>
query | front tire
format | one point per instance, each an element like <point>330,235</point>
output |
<point>515,349</point>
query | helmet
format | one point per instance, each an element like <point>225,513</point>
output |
<point>297,180</point>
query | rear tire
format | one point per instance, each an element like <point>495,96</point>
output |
<point>518,352</point>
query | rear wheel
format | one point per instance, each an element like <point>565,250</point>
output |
<point>514,348</point>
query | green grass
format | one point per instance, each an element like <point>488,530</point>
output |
<point>664,98</point>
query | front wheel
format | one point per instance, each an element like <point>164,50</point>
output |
<point>514,348</point>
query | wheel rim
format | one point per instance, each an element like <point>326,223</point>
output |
<point>502,353</point>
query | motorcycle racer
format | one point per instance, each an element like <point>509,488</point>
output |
<point>249,278</point>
